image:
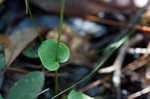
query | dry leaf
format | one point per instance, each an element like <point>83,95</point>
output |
<point>78,7</point>
<point>19,41</point>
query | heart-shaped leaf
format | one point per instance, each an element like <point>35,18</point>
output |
<point>78,95</point>
<point>47,54</point>
<point>1,97</point>
<point>28,87</point>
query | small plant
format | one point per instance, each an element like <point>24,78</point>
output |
<point>52,52</point>
<point>47,54</point>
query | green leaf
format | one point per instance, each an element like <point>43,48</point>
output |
<point>28,87</point>
<point>78,95</point>
<point>30,52</point>
<point>47,54</point>
<point>2,61</point>
<point>1,97</point>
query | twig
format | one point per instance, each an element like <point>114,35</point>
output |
<point>47,73</point>
<point>94,84</point>
<point>118,24</point>
<point>18,70</point>
<point>43,91</point>
<point>133,41</point>
<point>108,69</point>
<point>138,63</point>
<point>118,63</point>
<point>139,93</point>
<point>139,51</point>
<point>146,90</point>
<point>117,66</point>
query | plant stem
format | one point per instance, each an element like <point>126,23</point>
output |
<point>60,26</point>
<point>56,82</point>
<point>28,10</point>
<point>58,42</point>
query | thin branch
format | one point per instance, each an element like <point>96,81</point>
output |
<point>139,93</point>
<point>132,41</point>
<point>118,24</point>
<point>95,83</point>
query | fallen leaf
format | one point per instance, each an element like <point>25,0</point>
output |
<point>78,7</point>
<point>19,41</point>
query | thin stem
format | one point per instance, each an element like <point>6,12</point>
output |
<point>58,42</point>
<point>60,26</point>
<point>56,82</point>
<point>28,10</point>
